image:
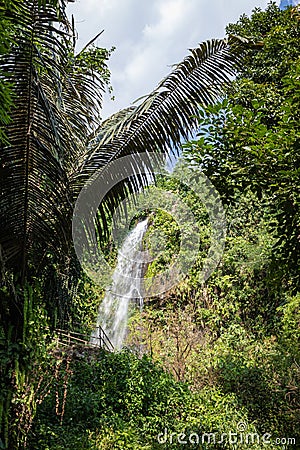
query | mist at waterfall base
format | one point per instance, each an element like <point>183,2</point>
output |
<point>124,293</point>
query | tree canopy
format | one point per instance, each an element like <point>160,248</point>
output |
<point>250,141</point>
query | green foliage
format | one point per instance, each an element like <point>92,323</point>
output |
<point>26,369</point>
<point>290,331</point>
<point>251,139</point>
<point>278,32</point>
<point>93,60</point>
<point>232,335</point>
<point>119,401</point>
<point>164,233</point>
<point>120,393</point>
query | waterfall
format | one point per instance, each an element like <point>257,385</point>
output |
<point>125,289</point>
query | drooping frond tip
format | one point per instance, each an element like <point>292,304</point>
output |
<point>167,114</point>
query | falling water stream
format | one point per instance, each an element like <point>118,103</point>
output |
<point>125,289</point>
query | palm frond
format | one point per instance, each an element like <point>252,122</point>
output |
<point>165,117</point>
<point>56,107</point>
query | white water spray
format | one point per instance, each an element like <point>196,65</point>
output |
<point>124,291</point>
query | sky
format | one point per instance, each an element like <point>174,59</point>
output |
<point>285,3</point>
<point>150,36</point>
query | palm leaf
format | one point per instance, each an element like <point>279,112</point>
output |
<point>54,109</point>
<point>163,119</point>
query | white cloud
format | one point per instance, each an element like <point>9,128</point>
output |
<point>171,13</point>
<point>151,35</point>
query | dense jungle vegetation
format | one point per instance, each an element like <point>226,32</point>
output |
<point>215,356</point>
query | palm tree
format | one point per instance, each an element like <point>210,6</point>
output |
<point>57,141</point>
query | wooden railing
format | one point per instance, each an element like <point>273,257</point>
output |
<point>69,338</point>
